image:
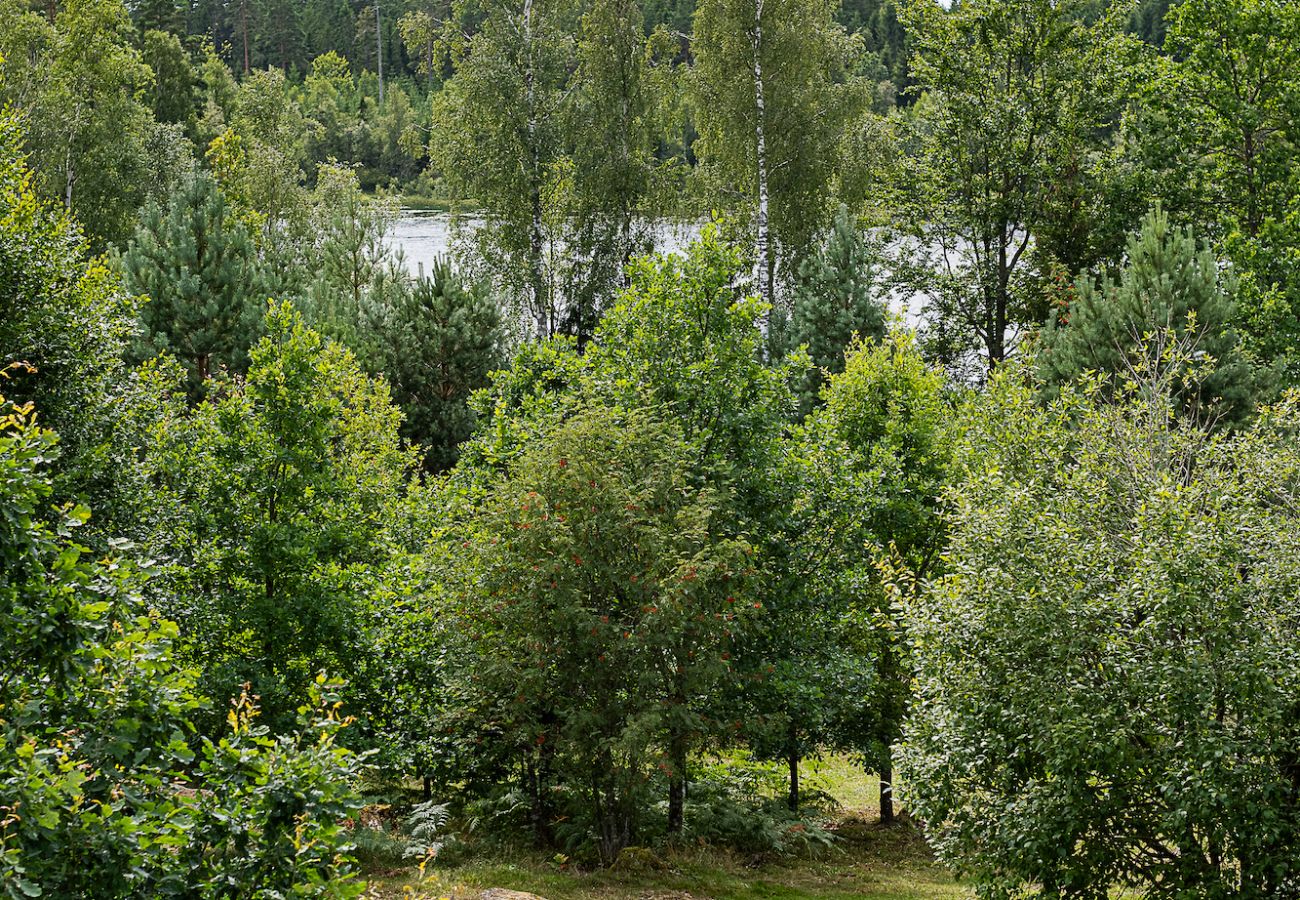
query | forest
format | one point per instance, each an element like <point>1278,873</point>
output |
<point>845,450</point>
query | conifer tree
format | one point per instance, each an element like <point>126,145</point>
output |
<point>834,300</point>
<point>1170,292</point>
<point>443,339</point>
<point>199,269</point>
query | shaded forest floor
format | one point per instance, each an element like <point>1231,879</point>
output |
<point>867,861</point>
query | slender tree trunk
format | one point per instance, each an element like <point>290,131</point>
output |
<point>71,173</point>
<point>537,286</point>
<point>887,789</point>
<point>379,52</point>
<point>677,783</point>
<point>428,788</point>
<point>792,759</point>
<point>762,244</point>
<point>533,788</point>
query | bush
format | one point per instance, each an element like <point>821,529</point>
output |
<point>1108,679</point>
<point>100,795</point>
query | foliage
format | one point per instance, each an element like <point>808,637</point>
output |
<point>770,98</point>
<point>273,500</point>
<point>77,77</point>
<point>1168,287</point>
<point>1236,98</point>
<point>836,299</point>
<point>1106,675</point>
<point>874,462</point>
<point>1004,154</point>
<point>501,142</point>
<point>601,609</point>
<point>96,796</point>
<point>425,825</point>
<point>202,281</point>
<point>441,340</point>
<point>68,320</point>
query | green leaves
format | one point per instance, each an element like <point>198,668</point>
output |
<point>97,794</point>
<point>1105,686</point>
<point>280,493</point>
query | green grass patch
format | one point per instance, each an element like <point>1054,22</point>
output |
<point>867,861</point>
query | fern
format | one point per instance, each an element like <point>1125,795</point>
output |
<point>423,825</point>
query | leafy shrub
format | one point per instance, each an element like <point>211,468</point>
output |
<point>1108,688</point>
<point>99,792</point>
<point>738,802</point>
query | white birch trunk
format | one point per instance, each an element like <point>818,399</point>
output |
<point>536,287</point>
<point>379,54</point>
<point>762,244</point>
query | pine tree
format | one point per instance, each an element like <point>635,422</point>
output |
<point>199,269</point>
<point>443,339</point>
<point>835,299</point>
<point>1170,293</point>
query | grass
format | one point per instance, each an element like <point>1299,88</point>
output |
<point>867,862</point>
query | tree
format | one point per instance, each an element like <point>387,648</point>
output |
<point>1170,290</point>
<point>442,339</point>
<point>1222,143</point>
<point>80,92</point>
<point>171,95</point>
<point>274,500</point>
<point>684,340</point>
<point>835,299</point>
<point>1106,680</point>
<point>771,100</point>
<point>681,345</point>
<point>68,322</point>
<point>1230,85</point>
<point>874,466</point>
<point>356,275</point>
<point>95,735</point>
<point>612,133</point>
<point>604,608</point>
<point>500,139</point>
<point>1015,96</point>
<point>203,280</point>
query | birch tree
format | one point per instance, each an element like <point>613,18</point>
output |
<point>498,136</point>
<point>772,95</point>
<point>79,81</point>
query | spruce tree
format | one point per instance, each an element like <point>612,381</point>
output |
<point>200,271</point>
<point>443,338</point>
<point>1170,294</point>
<point>834,300</point>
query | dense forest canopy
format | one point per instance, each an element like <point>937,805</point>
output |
<point>956,444</point>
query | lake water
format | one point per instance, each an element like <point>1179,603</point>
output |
<point>423,236</point>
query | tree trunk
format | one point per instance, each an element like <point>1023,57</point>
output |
<point>762,245</point>
<point>537,286</point>
<point>428,788</point>
<point>533,788</point>
<point>792,759</point>
<point>379,52</point>
<point>677,783</point>
<point>887,789</point>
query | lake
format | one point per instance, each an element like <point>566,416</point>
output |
<point>424,235</point>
